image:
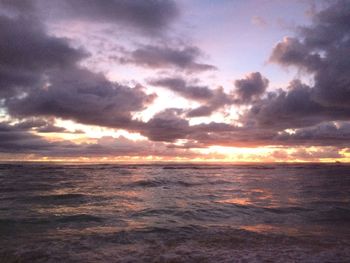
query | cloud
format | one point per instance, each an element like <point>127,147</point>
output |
<point>321,50</point>
<point>180,86</point>
<point>308,154</point>
<point>39,125</point>
<point>49,128</point>
<point>19,6</point>
<point>147,16</point>
<point>324,134</point>
<point>250,88</point>
<point>161,57</point>
<point>247,90</point>
<point>109,146</point>
<point>170,125</point>
<point>233,136</point>
<point>151,17</point>
<point>212,99</point>
<point>17,140</point>
<point>218,101</point>
<point>14,140</point>
<point>40,76</point>
<point>83,96</point>
<point>291,51</point>
<point>26,52</point>
<point>166,126</point>
<point>288,109</point>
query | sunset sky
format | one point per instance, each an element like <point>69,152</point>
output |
<point>185,80</point>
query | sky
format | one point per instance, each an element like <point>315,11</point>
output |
<point>182,81</point>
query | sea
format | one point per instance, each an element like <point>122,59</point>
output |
<point>174,212</point>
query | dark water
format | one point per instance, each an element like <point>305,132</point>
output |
<point>181,213</point>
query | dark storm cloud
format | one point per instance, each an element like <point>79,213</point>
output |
<point>218,101</point>
<point>18,140</point>
<point>51,129</point>
<point>149,16</point>
<point>327,133</point>
<point>83,96</point>
<point>30,123</point>
<point>247,90</point>
<point>15,140</point>
<point>21,6</point>
<point>38,125</point>
<point>179,85</point>
<point>26,52</point>
<point>291,51</point>
<point>202,111</point>
<point>251,87</point>
<point>170,125</point>
<point>288,109</point>
<point>158,57</point>
<point>322,50</point>
<point>167,125</point>
<point>40,76</point>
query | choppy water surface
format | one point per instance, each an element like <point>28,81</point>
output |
<point>174,213</point>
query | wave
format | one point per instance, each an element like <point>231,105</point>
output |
<point>333,216</point>
<point>56,198</point>
<point>146,183</point>
<point>160,182</point>
<point>287,210</point>
<point>202,167</point>
<point>49,221</point>
<point>78,218</point>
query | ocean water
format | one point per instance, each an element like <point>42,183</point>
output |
<point>174,213</point>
